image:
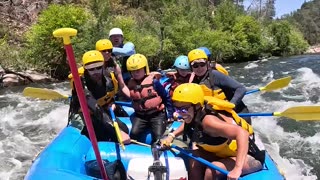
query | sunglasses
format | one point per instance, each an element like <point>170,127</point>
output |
<point>95,69</point>
<point>107,51</point>
<point>196,65</point>
<point>183,109</point>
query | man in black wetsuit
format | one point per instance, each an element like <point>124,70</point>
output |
<point>216,84</point>
<point>100,87</point>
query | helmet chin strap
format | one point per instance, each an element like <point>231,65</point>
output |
<point>196,111</point>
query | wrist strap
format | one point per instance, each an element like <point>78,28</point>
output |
<point>172,135</point>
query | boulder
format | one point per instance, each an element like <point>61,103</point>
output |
<point>22,78</point>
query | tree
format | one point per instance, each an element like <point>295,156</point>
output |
<point>308,21</point>
<point>225,16</point>
<point>45,51</point>
<point>247,38</point>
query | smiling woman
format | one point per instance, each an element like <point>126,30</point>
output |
<point>216,135</point>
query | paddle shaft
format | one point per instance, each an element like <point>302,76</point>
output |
<point>116,128</point>
<point>252,91</point>
<point>255,114</point>
<point>123,103</point>
<point>201,160</point>
<point>84,107</point>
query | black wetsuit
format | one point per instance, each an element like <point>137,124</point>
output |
<point>102,123</point>
<point>233,90</point>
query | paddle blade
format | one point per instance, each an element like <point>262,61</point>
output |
<point>277,84</point>
<point>41,93</point>
<point>301,113</point>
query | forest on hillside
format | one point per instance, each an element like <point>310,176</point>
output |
<point>307,19</point>
<point>160,29</point>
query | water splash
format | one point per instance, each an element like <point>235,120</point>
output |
<point>26,126</point>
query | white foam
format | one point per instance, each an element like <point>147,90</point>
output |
<point>274,137</point>
<point>14,166</point>
<point>251,65</point>
<point>26,126</point>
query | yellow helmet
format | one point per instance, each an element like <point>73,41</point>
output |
<point>189,93</point>
<point>103,44</point>
<point>91,57</point>
<point>137,61</point>
<point>197,54</point>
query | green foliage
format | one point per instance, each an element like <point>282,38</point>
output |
<point>225,15</point>
<point>248,39</point>
<point>280,31</point>
<point>163,30</point>
<point>10,56</point>
<point>101,11</point>
<point>221,44</point>
<point>298,44</point>
<point>288,39</point>
<point>308,21</point>
<point>268,44</point>
<point>45,51</point>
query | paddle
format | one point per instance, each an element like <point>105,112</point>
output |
<point>201,160</point>
<point>48,94</point>
<point>299,113</point>
<point>66,33</point>
<point>42,93</point>
<point>273,85</point>
<point>116,128</point>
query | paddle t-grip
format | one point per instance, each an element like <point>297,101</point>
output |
<point>65,34</point>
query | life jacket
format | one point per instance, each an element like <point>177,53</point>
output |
<point>110,87</point>
<point>111,91</point>
<point>144,97</point>
<point>177,80</point>
<point>221,105</point>
<point>70,76</point>
<point>209,88</point>
<point>221,69</point>
<point>221,146</point>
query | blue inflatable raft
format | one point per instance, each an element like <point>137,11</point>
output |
<point>65,157</point>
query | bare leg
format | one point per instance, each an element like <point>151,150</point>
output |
<point>251,165</point>
<point>197,169</point>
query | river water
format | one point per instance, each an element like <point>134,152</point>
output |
<point>28,125</point>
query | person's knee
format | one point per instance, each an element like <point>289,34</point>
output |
<point>134,132</point>
<point>213,174</point>
<point>209,174</point>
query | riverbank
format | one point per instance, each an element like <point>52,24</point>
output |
<point>10,78</point>
<point>313,49</point>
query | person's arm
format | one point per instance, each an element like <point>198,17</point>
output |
<point>166,142</point>
<point>229,84</point>
<point>126,50</point>
<point>122,86</point>
<point>165,97</point>
<point>214,126</point>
